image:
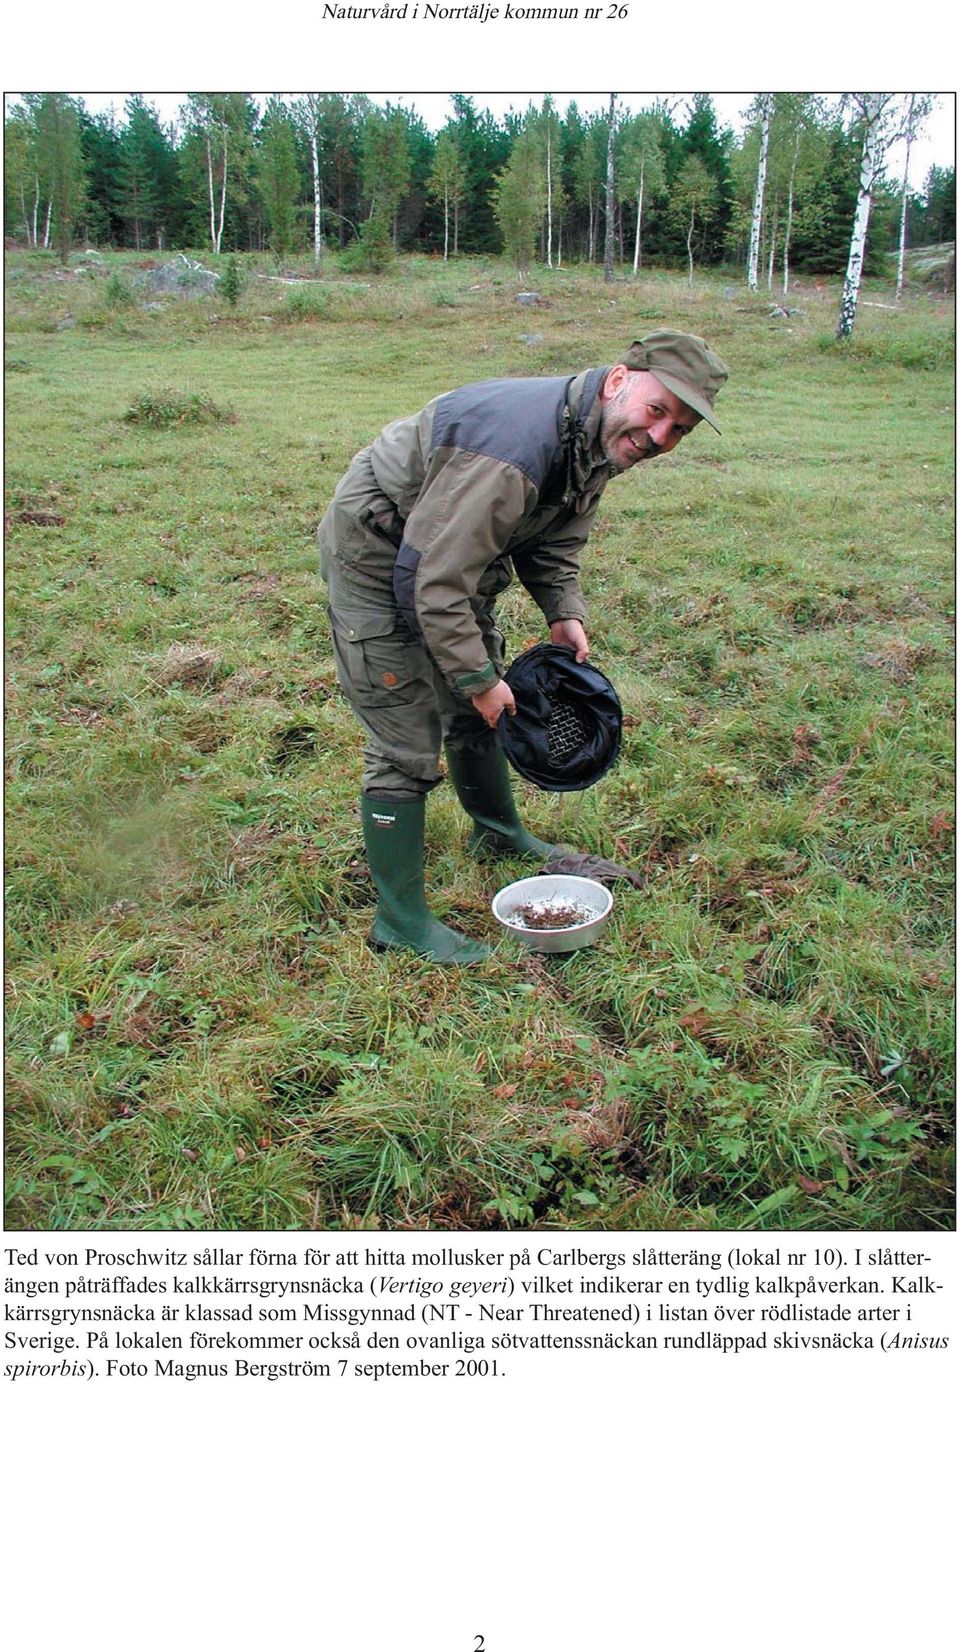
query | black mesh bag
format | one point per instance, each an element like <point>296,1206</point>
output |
<point>567,729</point>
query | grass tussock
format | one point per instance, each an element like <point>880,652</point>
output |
<point>198,1035</point>
<point>162,408</point>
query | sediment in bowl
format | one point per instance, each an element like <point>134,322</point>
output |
<point>554,886</point>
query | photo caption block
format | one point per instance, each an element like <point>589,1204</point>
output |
<point>288,1310</point>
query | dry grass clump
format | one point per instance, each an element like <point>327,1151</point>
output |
<point>187,663</point>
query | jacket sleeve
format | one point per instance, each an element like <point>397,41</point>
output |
<point>467,510</point>
<point>550,569</point>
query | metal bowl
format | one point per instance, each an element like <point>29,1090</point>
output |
<point>585,892</point>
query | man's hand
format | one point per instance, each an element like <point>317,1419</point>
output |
<point>493,702</point>
<point>569,633</point>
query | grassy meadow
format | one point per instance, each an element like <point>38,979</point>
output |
<point>197,1034</point>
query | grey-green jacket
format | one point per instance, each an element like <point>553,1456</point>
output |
<point>506,471</point>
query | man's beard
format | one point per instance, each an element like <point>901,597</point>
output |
<point>650,451</point>
<point>613,429</point>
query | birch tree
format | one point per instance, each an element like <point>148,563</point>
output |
<point>876,114</point>
<point>694,201</point>
<point>307,111</point>
<point>446,184</point>
<point>640,172</point>
<point>206,117</point>
<point>219,122</point>
<point>21,177</point>
<point>519,199</point>
<point>800,157</point>
<point>589,173</point>
<point>546,122</point>
<point>610,190</point>
<point>797,156</point>
<point>60,166</point>
<point>918,108</point>
<point>764,114</point>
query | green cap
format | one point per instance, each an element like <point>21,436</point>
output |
<point>683,364</point>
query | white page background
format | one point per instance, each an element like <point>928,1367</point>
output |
<point>683,1502</point>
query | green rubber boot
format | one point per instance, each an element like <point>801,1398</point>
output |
<point>393,835</point>
<point>482,783</point>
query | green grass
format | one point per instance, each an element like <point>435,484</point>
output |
<point>198,1035</point>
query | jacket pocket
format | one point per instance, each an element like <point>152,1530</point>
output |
<point>383,522</point>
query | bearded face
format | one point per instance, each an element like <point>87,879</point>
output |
<point>640,419</point>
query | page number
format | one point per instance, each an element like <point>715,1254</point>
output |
<point>479,1643</point>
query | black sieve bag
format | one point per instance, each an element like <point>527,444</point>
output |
<point>568,726</point>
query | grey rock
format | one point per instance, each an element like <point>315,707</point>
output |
<point>181,276</point>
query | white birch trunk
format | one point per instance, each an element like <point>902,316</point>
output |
<point>223,190</point>
<point>609,225</point>
<point>36,210</point>
<point>549,199</point>
<point>46,227</point>
<point>901,257</point>
<point>753,258</point>
<point>789,223</point>
<point>773,251</point>
<point>873,107</point>
<point>446,224</point>
<point>636,242</point>
<point>317,236</point>
<point>693,213</point>
<point>213,215</point>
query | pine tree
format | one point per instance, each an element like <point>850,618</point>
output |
<point>101,221</point>
<point>139,178</point>
<point>484,148</point>
<point>279,176</point>
<point>936,215</point>
<point>386,171</point>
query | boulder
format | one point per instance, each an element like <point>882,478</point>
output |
<point>183,277</point>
